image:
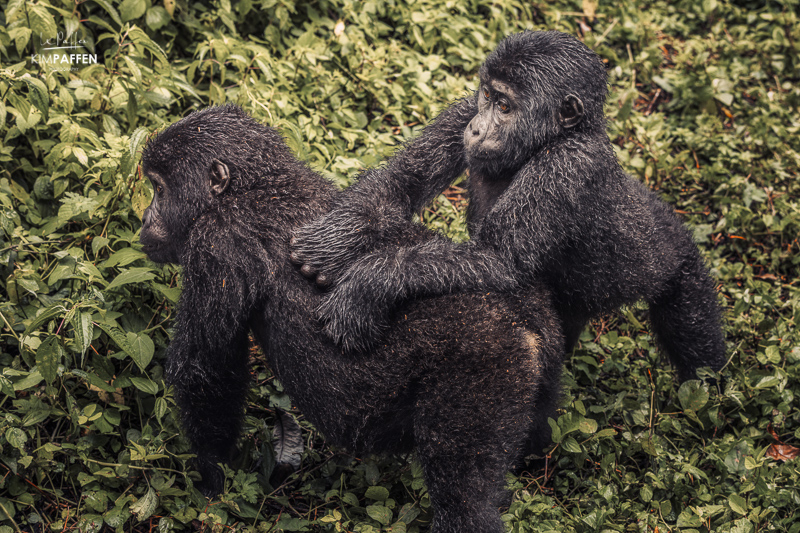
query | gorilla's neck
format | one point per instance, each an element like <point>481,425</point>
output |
<point>483,193</point>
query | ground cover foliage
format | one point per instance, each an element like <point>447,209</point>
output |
<point>703,107</point>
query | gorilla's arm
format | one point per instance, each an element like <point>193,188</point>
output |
<point>366,213</point>
<point>207,358</point>
<point>532,218</point>
<point>359,308</point>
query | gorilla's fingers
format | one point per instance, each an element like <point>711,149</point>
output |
<point>323,281</point>
<point>324,247</point>
<point>308,271</point>
<point>294,254</point>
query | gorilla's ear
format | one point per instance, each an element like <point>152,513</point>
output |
<point>571,111</point>
<point>220,177</point>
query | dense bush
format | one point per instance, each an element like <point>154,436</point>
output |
<point>703,107</point>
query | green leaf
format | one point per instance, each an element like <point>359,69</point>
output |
<point>116,334</point>
<point>83,330</point>
<point>408,513</point>
<point>738,504</point>
<point>663,83</point>
<point>773,355</point>
<point>380,514</point>
<point>146,505</point>
<point>33,378</point>
<point>124,257</point>
<point>161,408</point>
<point>138,137</point>
<point>141,349</point>
<point>145,385</point>
<point>80,155</point>
<point>132,9</point>
<point>16,438</point>
<point>688,519</point>
<point>139,37</point>
<point>140,200</point>
<point>171,293</point>
<point>93,379</point>
<point>131,275</point>
<point>725,98</point>
<point>6,387</point>
<point>117,516</point>
<point>157,17</point>
<point>649,447</point>
<point>71,25</point>
<point>38,94</point>
<point>692,395</point>
<point>48,357</point>
<point>49,313</point>
<point>42,22</point>
<point>110,9</point>
<point>555,430</point>
<point>571,445</point>
<point>377,493</point>
<point>588,426</point>
<point>607,432</point>
<point>36,416</point>
<point>138,346</point>
<point>98,243</point>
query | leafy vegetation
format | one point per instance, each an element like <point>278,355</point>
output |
<point>703,107</point>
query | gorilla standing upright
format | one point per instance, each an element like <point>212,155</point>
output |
<point>548,201</point>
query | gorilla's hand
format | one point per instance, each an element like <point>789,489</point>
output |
<point>328,246</point>
<point>323,248</point>
<point>357,310</point>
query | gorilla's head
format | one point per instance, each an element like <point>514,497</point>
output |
<point>534,87</point>
<point>193,162</point>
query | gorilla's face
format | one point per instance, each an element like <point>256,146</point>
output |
<point>511,125</point>
<point>157,240</point>
<point>179,197</point>
<point>486,136</point>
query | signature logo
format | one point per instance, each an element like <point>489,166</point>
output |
<point>61,52</point>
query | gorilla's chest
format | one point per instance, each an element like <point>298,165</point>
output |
<point>483,194</point>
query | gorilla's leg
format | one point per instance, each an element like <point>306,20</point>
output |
<point>547,400</point>
<point>466,450</point>
<point>466,485</point>
<point>686,320</point>
<point>573,327</point>
<point>211,398</point>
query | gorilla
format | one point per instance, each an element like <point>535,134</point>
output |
<point>548,202</point>
<point>467,380</point>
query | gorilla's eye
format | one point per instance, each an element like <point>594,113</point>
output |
<point>504,107</point>
<point>159,189</point>
<point>486,93</point>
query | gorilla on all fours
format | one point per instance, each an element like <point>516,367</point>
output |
<point>548,202</point>
<point>468,380</point>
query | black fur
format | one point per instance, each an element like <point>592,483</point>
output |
<point>469,380</point>
<point>548,201</point>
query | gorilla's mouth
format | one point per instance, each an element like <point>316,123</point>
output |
<point>485,151</point>
<point>479,154</point>
<point>149,248</point>
<point>482,156</point>
<point>154,252</point>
